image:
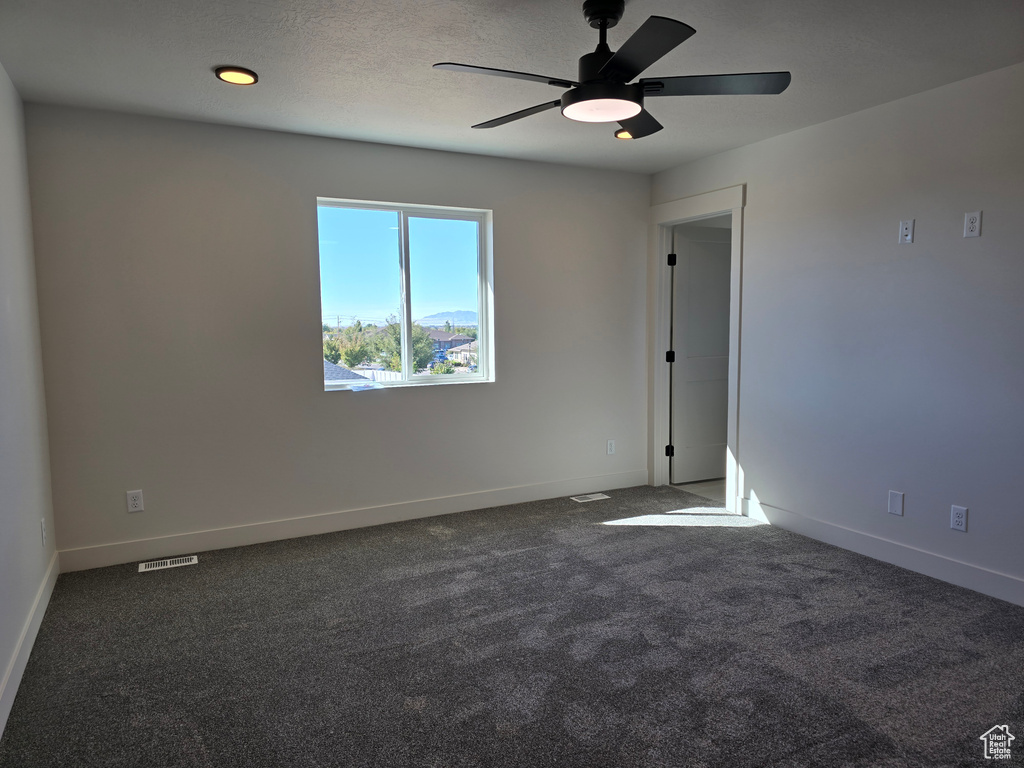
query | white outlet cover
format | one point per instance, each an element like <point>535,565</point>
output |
<point>611,447</point>
<point>972,224</point>
<point>134,500</point>
<point>958,513</point>
<point>896,503</point>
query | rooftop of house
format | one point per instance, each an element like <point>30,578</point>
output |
<point>439,335</point>
<point>334,372</point>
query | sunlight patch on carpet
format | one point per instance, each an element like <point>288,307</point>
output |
<point>703,517</point>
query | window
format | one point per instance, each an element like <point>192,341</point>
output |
<point>405,294</point>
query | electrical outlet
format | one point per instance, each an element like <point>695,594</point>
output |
<point>895,503</point>
<point>958,518</point>
<point>972,224</point>
<point>611,447</point>
<point>135,501</point>
<point>907,231</point>
<point>42,526</point>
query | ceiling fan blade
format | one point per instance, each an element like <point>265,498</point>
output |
<point>641,125</point>
<point>717,85</point>
<point>519,115</point>
<point>473,70</point>
<point>654,38</point>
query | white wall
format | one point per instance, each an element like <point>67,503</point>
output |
<point>868,365</point>
<point>179,306</point>
<point>27,568</point>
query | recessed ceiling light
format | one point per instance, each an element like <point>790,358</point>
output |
<point>237,75</point>
<point>622,133</point>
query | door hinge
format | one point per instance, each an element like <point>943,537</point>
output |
<point>670,450</point>
<point>670,356</point>
<point>671,259</point>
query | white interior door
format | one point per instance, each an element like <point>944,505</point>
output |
<point>700,337</point>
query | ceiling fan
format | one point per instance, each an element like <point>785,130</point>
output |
<point>603,93</point>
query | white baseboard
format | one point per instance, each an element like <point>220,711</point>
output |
<point>274,530</point>
<point>16,666</point>
<point>988,582</point>
<point>751,508</point>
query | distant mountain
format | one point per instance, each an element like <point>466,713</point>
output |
<point>455,317</point>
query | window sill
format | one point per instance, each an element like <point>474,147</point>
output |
<point>431,381</point>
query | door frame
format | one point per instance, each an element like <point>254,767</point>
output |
<point>659,276</point>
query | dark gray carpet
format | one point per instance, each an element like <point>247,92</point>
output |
<point>528,635</point>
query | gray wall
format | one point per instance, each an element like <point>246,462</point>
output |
<point>869,365</point>
<point>24,464</point>
<point>179,306</point>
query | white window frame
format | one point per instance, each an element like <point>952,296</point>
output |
<point>485,291</point>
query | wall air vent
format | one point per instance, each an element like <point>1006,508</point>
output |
<point>589,497</point>
<point>169,562</point>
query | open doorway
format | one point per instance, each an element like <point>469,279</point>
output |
<point>699,376</point>
<point>711,342</point>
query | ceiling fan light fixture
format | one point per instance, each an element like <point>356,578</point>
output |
<point>622,133</point>
<point>601,110</point>
<point>602,103</point>
<point>236,75</point>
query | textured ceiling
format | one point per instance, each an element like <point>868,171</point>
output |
<point>361,69</point>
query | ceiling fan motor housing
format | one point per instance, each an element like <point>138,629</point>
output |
<point>591,63</point>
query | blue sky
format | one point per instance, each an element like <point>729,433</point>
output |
<point>359,270</point>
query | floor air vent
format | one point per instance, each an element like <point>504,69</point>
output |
<point>170,562</point>
<point>590,497</point>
